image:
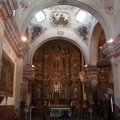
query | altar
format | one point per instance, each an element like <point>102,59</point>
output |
<point>57,112</point>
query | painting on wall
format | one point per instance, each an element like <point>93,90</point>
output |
<point>60,19</point>
<point>7,76</point>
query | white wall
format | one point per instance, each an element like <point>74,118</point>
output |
<point>15,100</point>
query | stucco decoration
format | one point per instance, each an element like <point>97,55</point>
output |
<point>60,32</point>
<point>25,3</point>
<point>83,32</point>
<point>36,31</point>
<point>60,19</point>
<point>109,6</point>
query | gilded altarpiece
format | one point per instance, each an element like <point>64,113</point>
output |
<point>57,82</point>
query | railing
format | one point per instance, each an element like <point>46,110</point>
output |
<point>7,112</point>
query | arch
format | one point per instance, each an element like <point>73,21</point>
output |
<point>28,14</point>
<point>63,38</point>
<point>94,44</point>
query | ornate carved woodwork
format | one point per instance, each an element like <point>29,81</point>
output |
<point>7,112</point>
<point>92,72</point>
<point>58,64</point>
<point>83,78</point>
<point>103,62</point>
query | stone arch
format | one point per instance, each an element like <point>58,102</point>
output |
<point>62,38</point>
<point>94,44</point>
<point>39,5</point>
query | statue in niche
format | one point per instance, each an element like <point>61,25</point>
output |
<point>75,92</point>
<point>56,90</point>
<point>56,63</point>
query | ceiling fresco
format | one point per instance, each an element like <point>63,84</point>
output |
<point>60,18</point>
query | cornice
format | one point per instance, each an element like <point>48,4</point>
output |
<point>112,50</point>
<point>8,6</point>
<point>10,42</point>
<point>11,32</point>
<point>2,16</point>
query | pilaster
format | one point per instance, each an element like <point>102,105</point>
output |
<point>115,64</point>
<point>112,51</point>
<point>91,76</point>
<point>28,73</point>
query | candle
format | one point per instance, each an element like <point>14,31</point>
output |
<point>49,104</point>
<point>84,97</point>
<point>111,104</point>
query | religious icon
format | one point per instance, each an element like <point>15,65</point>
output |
<point>56,88</point>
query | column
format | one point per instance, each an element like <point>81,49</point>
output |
<point>28,79</point>
<point>46,65</point>
<point>67,71</point>
<point>92,75</point>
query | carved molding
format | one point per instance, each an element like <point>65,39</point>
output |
<point>10,41</point>
<point>11,32</point>
<point>92,72</point>
<point>14,4</point>
<point>115,61</point>
<point>2,16</point>
<point>6,7</point>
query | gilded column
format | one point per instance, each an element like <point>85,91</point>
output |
<point>67,66</point>
<point>46,66</point>
<point>82,76</point>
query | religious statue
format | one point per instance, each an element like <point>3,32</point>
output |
<point>56,90</point>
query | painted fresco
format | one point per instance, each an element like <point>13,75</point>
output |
<point>7,76</point>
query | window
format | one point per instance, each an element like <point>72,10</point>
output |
<point>81,16</point>
<point>40,16</point>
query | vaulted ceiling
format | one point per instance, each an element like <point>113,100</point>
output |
<point>60,22</point>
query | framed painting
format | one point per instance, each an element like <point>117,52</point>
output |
<point>7,76</point>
